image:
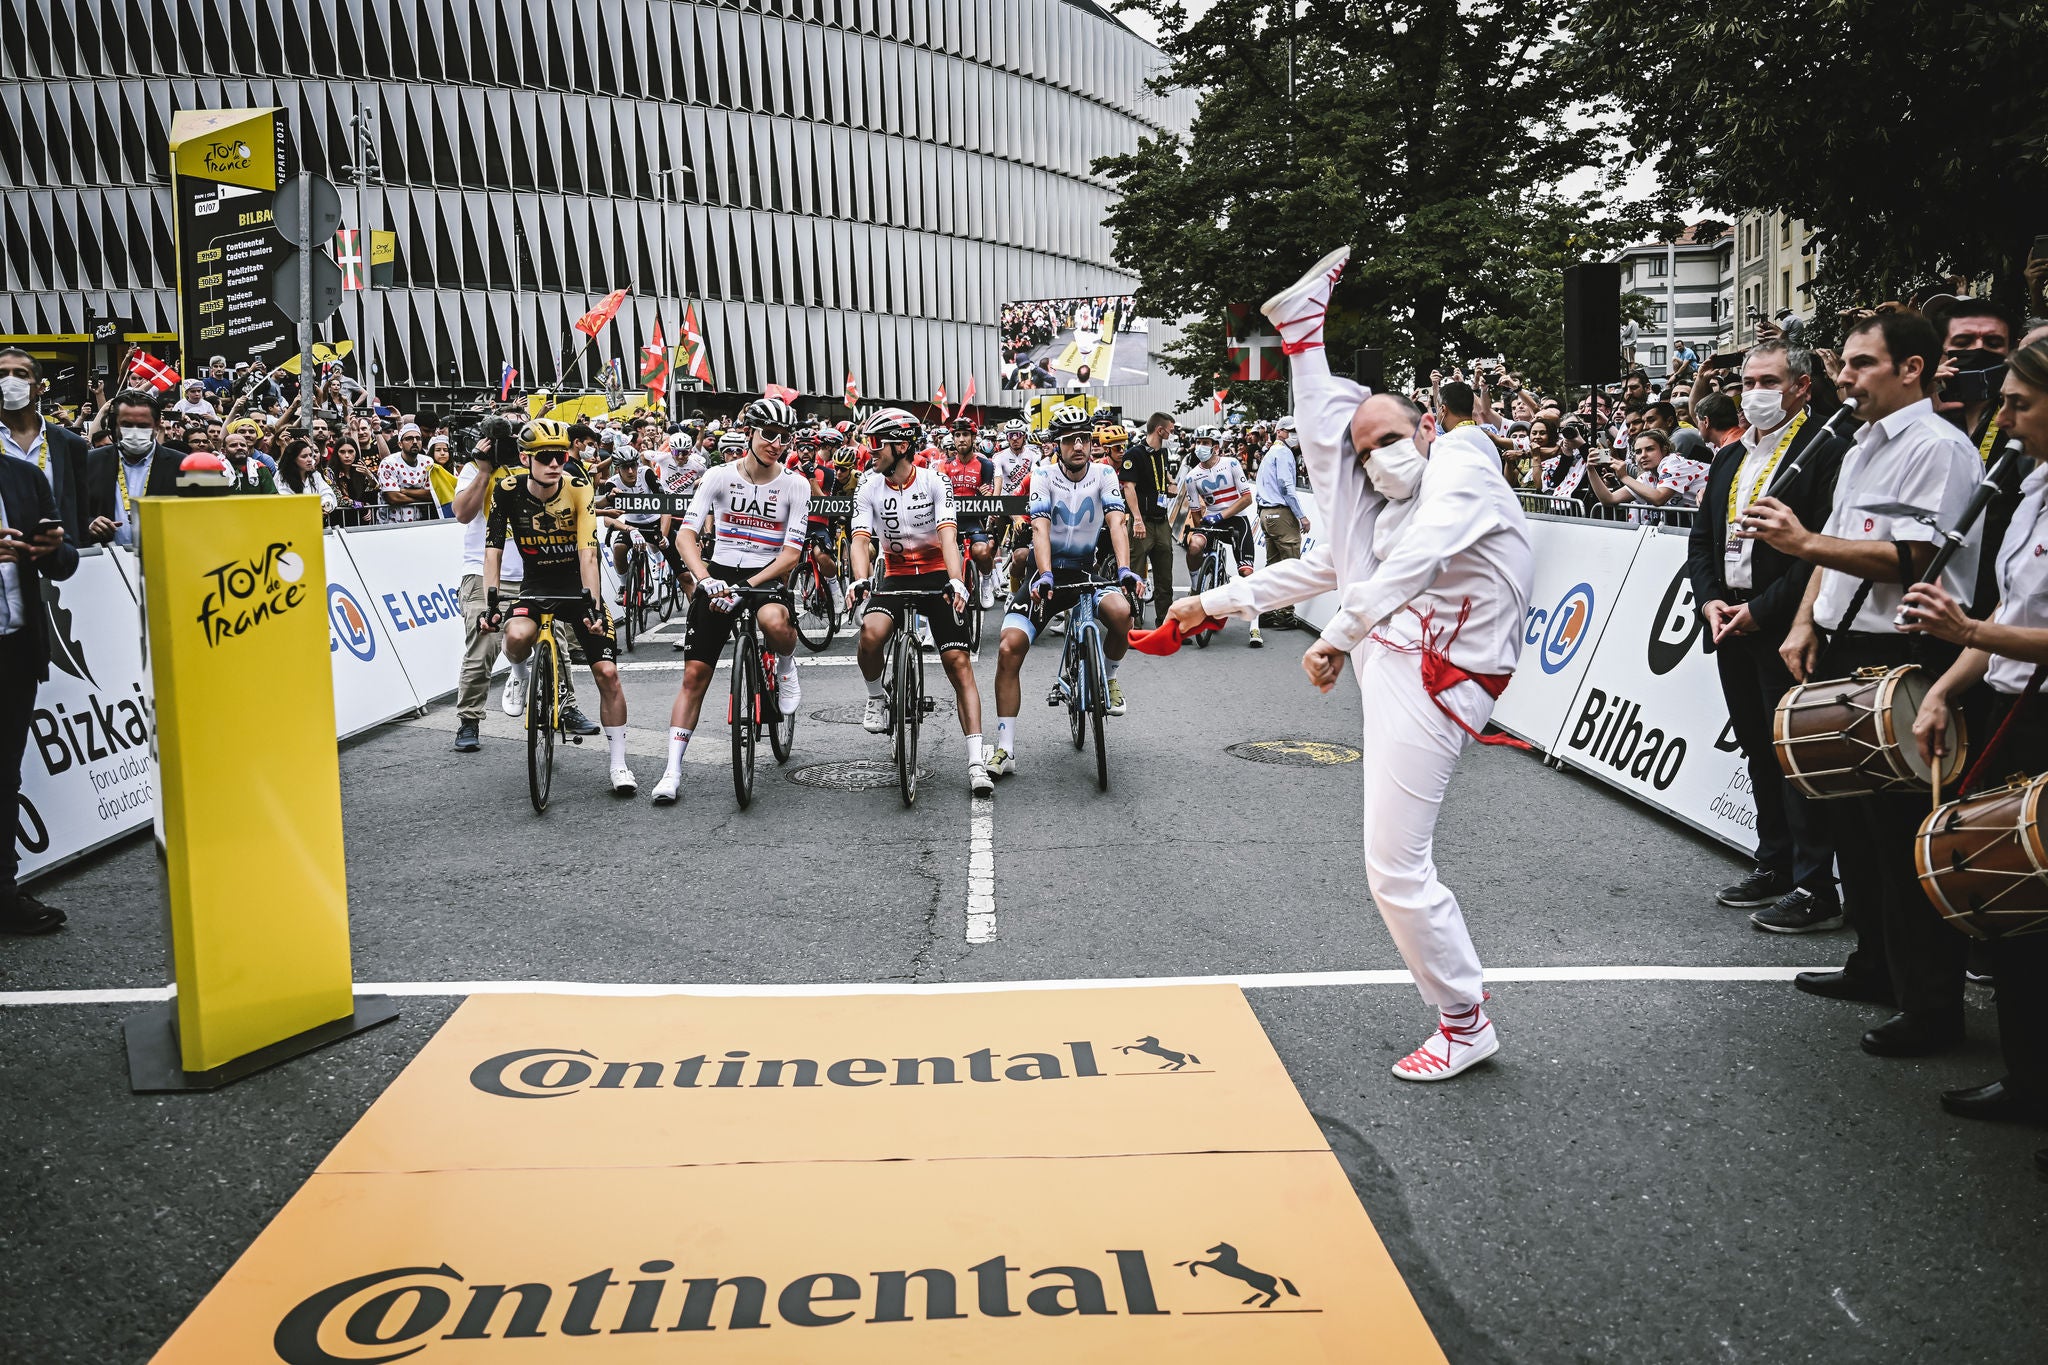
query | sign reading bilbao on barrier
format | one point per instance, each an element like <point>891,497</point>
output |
<point>520,1081</point>
<point>413,578</point>
<point>1580,567</point>
<point>1649,716</point>
<point>1199,1259</point>
<point>88,775</point>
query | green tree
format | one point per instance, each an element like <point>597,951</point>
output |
<point>1425,133</point>
<point>1908,133</point>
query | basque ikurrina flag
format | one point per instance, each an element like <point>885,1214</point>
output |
<point>695,357</point>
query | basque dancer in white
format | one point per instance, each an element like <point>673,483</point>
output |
<point>1431,554</point>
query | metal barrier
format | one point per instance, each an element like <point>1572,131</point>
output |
<point>1620,514</point>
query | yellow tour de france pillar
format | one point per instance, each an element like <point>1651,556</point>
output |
<point>249,793</point>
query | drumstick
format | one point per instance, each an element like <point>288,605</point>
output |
<point>1938,760</point>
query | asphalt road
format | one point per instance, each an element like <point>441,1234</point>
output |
<point>1658,1170</point>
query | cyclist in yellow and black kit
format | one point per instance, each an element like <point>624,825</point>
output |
<point>547,512</point>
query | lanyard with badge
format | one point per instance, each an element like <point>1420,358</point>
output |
<point>1757,486</point>
<point>1989,443</point>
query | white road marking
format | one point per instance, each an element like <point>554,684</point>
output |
<point>981,869</point>
<point>1251,981</point>
<point>676,665</point>
<point>1842,1302</point>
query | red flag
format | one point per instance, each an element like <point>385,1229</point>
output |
<point>852,390</point>
<point>939,401</point>
<point>593,322</point>
<point>696,356</point>
<point>782,391</point>
<point>153,372</point>
<point>1168,637</point>
<point>967,399</point>
<point>505,377</point>
<point>654,365</point>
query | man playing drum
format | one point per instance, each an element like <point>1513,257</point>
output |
<point>2004,654</point>
<point>1908,477</point>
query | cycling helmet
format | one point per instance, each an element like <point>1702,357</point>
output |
<point>1113,435</point>
<point>962,424</point>
<point>806,439</point>
<point>985,447</point>
<point>1016,426</point>
<point>679,443</point>
<point>768,412</point>
<point>892,424</point>
<point>832,436</point>
<point>544,433</point>
<point>1068,420</point>
<point>734,442</point>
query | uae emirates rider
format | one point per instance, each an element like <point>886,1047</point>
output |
<point>1431,556</point>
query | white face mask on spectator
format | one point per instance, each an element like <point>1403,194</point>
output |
<point>14,392</point>
<point>1396,470</point>
<point>1763,408</point>
<point>136,440</point>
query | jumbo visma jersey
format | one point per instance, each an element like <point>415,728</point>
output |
<point>1075,510</point>
<point>550,533</point>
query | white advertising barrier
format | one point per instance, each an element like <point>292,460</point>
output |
<point>1318,610</point>
<point>1649,717</point>
<point>1580,568</point>
<point>87,776</point>
<point>370,686</point>
<point>413,578</point>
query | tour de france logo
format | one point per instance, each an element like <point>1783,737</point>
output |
<point>243,594</point>
<point>228,156</point>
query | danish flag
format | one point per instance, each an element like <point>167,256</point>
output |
<point>153,372</point>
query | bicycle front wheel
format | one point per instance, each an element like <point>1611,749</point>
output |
<point>909,703</point>
<point>973,607</point>
<point>540,720</point>
<point>781,727</point>
<point>1097,692</point>
<point>1076,680</point>
<point>740,715</point>
<point>1204,580</point>
<point>816,621</point>
<point>630,623</point>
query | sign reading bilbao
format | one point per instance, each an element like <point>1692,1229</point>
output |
<point>514,1082</point>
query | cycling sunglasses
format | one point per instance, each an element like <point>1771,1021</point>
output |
<point>775,435</point>
<point>548,456</point>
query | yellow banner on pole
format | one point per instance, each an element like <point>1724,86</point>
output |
<point>258,890</point>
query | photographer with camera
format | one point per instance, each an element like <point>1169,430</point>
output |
<point>494,455</point>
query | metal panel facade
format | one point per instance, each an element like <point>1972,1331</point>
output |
<point>855,184</point>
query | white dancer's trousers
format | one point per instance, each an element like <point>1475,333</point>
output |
<point>1410,750</point>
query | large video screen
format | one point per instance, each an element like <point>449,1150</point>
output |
<point>1073,345</point>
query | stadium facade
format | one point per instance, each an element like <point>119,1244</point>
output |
<point>838,187</point>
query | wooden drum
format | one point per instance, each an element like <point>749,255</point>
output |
<point>1982,863</point>
<point>1854,736</point>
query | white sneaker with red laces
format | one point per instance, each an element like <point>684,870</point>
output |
<point>1296,312</point>
<point>1448,1051</point>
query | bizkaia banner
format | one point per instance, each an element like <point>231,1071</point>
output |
<point>513,1082</point>
<point>1203,1258</point>
<point>1112,1176</point>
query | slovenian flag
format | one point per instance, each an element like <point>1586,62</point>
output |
<point>505,377</point>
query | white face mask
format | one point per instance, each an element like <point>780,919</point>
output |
<point>14,392</point>
<point>1763,408</point>
<point>1396,470</point>
<point>1293,441</point>
<point>137,440</point>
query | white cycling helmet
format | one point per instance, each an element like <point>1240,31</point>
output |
<point>679,443</point>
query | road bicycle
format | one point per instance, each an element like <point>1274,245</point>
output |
<point>1082,685</point>
<point>971,579</point>
<point>903,683</point>
<point>545,683</point>
<point>638,588</point>
<point>817,605</point>
<point>753,705</point>
<point>1218,567</point>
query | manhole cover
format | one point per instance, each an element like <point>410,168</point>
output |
<point>856,775</point>
<point>850,715</point>
<point>1295,753</point>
